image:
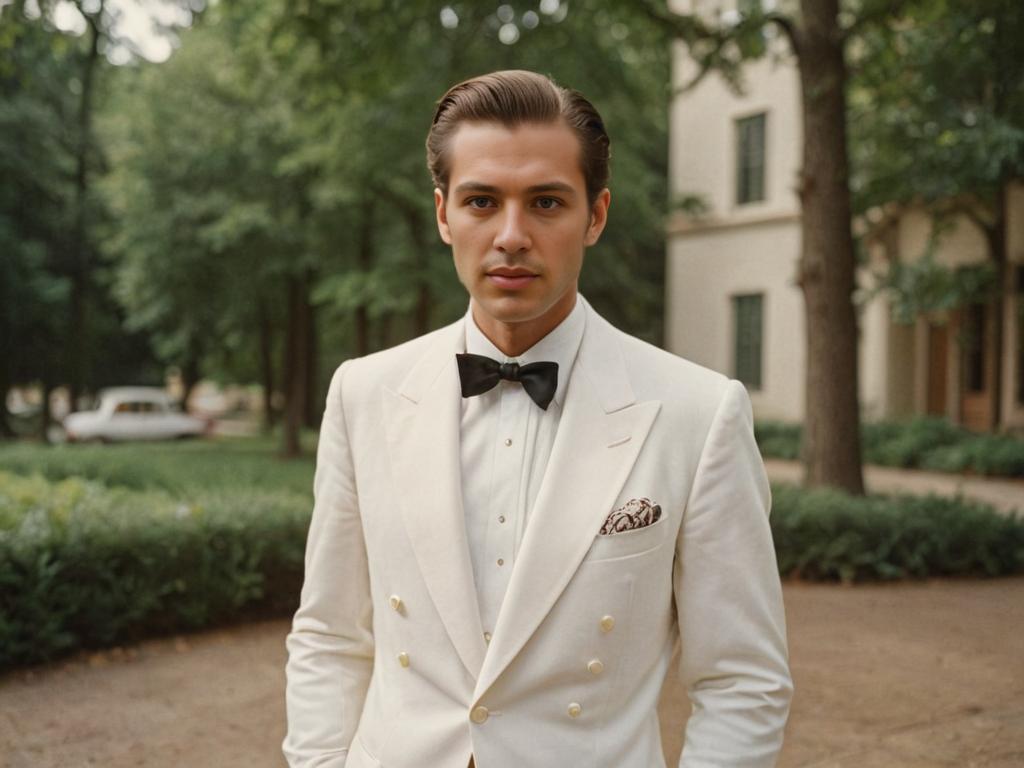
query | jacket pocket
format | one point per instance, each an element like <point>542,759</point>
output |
<point>639,541</point>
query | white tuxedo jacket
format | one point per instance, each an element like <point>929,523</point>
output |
<point>388,666</point>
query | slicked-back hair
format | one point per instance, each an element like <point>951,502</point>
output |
<point>514,97</point>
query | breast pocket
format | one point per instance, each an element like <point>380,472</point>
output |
<point>639,541</point>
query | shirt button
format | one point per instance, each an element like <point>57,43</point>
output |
<point>403,659</point>
<point>501,518</point>
<point>574,710</point>
<point>596,666</point>
<point>508,441</point>
<point>487,637</point>
<point>395,602</point>
<point>501,561</point>
<point>479,714</point>
<point>607,623</point>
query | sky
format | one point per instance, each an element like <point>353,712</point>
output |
<point>140,27</point>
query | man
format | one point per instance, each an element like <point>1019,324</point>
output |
<point>517,515</point>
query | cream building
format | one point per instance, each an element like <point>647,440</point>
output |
<point>732,303</point>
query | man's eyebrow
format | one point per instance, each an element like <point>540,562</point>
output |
<point>552,186</point>
<point>475,186</point>
<point>548,186</point>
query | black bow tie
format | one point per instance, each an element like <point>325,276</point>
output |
<point>479,373</point>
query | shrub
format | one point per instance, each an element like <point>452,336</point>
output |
<point>83,565</point>
<point>996,455</point>
<point>927,442</point>
<point>826,534</point>
<point>778,440</point>
<point>906,447</point>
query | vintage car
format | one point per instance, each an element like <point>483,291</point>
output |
<point>133,413</point>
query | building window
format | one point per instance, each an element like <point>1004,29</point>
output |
<point>747,322</point>
<point>973,339</point>
<point>750,159</point>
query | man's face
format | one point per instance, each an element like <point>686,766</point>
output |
<point>517,219</point>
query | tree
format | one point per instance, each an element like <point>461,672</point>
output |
<point>818,33</point>
<point>269,180</point>
<point>938,116</point>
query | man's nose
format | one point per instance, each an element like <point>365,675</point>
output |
<point>513,233</point>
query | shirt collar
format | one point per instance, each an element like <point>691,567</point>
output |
<point>560,345</point>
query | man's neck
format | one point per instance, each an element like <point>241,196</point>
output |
<point>513,339</point>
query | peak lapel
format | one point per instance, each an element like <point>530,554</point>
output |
<point>599,436</point>
<point>422,423</point>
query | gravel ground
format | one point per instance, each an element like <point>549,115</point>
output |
<point>896,676</point>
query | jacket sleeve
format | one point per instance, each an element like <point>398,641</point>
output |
<point>734,661</point>
<point>330,647</point>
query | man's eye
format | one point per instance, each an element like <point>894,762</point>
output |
<point>478,202</point>
<point>548,203</point>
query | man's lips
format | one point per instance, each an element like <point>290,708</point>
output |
<point>507,277</point>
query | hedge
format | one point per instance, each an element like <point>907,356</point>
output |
<point>824,534</point>
<point>927,442</point>
<point>83,565</point>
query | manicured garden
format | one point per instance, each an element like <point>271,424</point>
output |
<point>100,545</point>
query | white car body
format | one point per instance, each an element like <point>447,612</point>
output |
<point>133,413</point>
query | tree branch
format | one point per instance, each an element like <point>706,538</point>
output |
<point>872,14</point>
<point>789,29</point>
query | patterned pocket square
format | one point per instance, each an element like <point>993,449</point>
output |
<point>635,513</point>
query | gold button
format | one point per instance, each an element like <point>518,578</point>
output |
<point>403,659</point>
<point>487,637</point>
<point>396,602</point>
<point>479,714</point>
<point>508,441</point>
<point>575,709</point>
<point>501,561</point>
<point>596,666</point>
<point>607,623</point>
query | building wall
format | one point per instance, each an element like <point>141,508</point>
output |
<point>732,249</point>
<point>1013,410</point>
<point>735,249</point>
<point>705,269</point>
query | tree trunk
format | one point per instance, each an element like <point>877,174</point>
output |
<point>78,250</point>
<point>365,256</point>
<point>997,241</point>
<point>295,371</point>
<point>414,221</point>
<point>45,416</point>
<point>190,372</point>
<point>266,332</point>
<point>313,413</point>
<point>6,430</point>
<point>831,449</point>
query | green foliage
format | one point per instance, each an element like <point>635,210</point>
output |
<point>180,468</point>
<point>908,447</point>
<point>937,104</point>
<point>985,454</point>
<point>162,540</point>
<point>924,286</point>
<point>778,439</point>
<point>824,534</point>
<point>177,537</point>
<point>926,442</point>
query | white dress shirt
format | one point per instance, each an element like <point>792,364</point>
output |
<point>506,441</point>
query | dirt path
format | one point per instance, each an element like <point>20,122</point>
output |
<point>901,676</point>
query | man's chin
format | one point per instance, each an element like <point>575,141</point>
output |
<point>511,309</point>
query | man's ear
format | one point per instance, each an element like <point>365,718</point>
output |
<point>598,216</point>
<point>442,216</point>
